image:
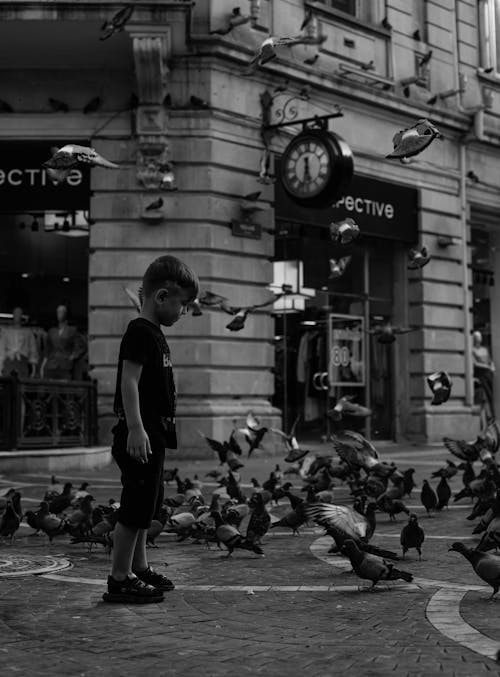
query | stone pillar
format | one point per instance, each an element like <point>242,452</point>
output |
<point>437,306</point>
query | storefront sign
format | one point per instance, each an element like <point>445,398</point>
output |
<point>346,361</point>
<point>246,229</point>
<point>26,187</point>
<point>380,209</point>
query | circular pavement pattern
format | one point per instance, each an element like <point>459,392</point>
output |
<point>15,564</point>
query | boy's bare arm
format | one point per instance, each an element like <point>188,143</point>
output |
<point>138,442</point>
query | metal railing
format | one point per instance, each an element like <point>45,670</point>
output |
<point>46,413</point>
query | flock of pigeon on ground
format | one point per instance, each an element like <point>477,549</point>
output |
<point>374,486</point>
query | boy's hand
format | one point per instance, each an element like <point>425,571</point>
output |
<point>138,445</point>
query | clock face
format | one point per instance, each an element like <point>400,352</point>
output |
<point>307,167</point>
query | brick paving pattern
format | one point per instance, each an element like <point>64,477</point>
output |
<point>49,625</point>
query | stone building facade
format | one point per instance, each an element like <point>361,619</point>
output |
<point>386,63</point>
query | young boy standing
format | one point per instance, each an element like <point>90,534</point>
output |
<point>145,401</point>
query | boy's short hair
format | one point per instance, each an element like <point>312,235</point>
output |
<point>169,269</point>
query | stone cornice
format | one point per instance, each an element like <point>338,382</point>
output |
<point>329,84</point>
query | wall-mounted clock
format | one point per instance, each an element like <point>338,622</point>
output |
<point>316,168</point>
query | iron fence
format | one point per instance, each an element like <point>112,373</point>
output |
<point>47,413</point>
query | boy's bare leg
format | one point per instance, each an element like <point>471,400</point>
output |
<point>140,559</point>
<point>124,544</point>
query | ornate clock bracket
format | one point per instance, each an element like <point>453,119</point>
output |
<point>285,113</point>
<point>151,48</point>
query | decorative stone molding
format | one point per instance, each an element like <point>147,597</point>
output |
<point>151,47</point>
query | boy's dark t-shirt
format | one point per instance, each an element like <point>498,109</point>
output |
<point>145,343</point>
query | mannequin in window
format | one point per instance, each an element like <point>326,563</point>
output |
<point>62,349</point>
<point>483,364</point>
<point>18,351</point>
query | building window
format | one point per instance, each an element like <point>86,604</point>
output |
<point>365,10</point>
<point>347,6</point>
<point>489,27</point>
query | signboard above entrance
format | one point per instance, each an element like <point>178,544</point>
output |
<point>380,208</point>
<point>26,187</point>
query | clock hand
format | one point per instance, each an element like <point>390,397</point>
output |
<point>307,173</point>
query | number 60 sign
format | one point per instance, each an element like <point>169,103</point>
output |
<point>346,346</point>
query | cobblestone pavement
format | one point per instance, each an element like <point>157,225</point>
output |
<point>297,611</point>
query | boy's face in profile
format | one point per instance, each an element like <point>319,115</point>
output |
<point>171,304</point>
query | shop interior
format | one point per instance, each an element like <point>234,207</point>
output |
<point>364,290</point>
<point>44,264</point>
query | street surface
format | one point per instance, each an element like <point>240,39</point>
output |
<point>297,611</point>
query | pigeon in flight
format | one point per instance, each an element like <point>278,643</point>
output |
<point>236,18</point>
<point>253,432</point>
<point>413,140</point>
<point>440,384</point>
<point>345,231</point>
<point>210,299</point>
<point>418,258</point>
<point>295,453</point>
<point>345,407</point>
<point>134,298</point>
<point>117,22</point>
<point>267,51</point>
<point>425,59</point>
<point>238,321</point>
<point>387,333</point>
<point>338,267</point>
<point>71,156</point>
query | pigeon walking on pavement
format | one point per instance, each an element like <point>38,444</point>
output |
<point>373,568</point>
<point>428,498</point>
<point>412,536</point>
<point>229,536</point>
<point>485,565</point>
<point>443,492</point>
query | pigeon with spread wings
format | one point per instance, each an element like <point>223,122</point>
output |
<point>253,432</point>
<point>342,523</point>
<point>387,333</point>
<point>72,156</point>
<point>295,453</point>
<point>413,140</point>
<point>267,51</point>
<point>117,22</point>
<point>418,258</point>
<point>355,450</point>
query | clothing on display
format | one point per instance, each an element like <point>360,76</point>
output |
<point>63,347</point>
<point>18,350</point>
<point>311,358</point>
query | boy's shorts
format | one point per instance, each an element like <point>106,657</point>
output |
<point>142,483</point>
